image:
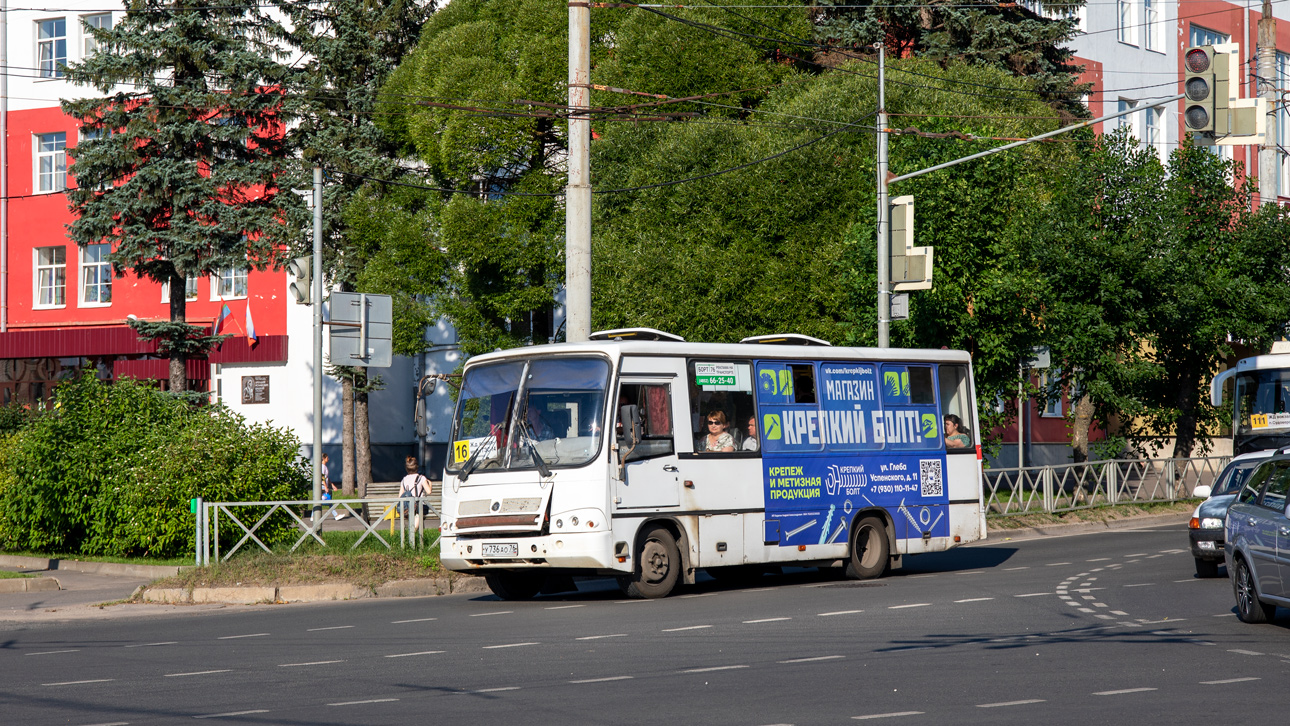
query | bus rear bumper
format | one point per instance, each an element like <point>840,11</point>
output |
<point>585,550</point>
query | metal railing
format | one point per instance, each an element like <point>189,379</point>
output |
<point>299,513</point>
<point>1067,487</point>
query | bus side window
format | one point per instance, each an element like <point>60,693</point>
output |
<point>803,383</point>
<point>721,392</point>
<point>956,405</point>
<point>653,405</point>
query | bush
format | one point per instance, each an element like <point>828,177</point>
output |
<point>14,417</point>
<point>110,467</point>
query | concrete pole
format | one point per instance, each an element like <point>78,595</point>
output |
<point>318,338</point>
<point>4,166</point>
<point>577,194</point>
<point>1268,81</point>
<point>884,212</point>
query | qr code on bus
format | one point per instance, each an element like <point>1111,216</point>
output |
<point>929,474</point>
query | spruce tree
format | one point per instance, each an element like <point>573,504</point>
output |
<point>183,154</point>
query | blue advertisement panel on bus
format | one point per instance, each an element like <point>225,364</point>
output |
<point>842,436</point>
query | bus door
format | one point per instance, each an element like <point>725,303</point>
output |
<point>962,465</point>
<point>645,432</point>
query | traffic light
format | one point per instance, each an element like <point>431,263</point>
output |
<point>302,268</point>
<point>911,267</point>
<point>1207,85</point>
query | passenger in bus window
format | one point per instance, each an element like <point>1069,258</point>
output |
<point>750,443</point>
<point>717,438</point>
<point>956,437</point>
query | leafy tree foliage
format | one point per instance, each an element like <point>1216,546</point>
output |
<point>180,167</point>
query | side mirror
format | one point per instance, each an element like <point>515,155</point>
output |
<point>630,418</point>
<point>1202,491</point>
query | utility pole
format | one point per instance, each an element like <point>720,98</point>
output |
<point>884,221</point>
<point>1267,88</point>
<point>318,339</point>
<point>577,193</point>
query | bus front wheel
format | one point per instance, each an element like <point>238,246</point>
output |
<point>658,566</point>
<point>870,555</point>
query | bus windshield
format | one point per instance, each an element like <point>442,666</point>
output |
<point>1262,401</point>
<point>541,413</point>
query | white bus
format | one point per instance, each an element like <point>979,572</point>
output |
<point>1260,406</point>
<point>648,458</point>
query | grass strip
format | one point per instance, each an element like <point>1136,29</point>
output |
<point>7,575</point>
<point>997,522</point>
<point>172,561</point>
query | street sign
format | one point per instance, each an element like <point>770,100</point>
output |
<point>911,267</point>
<point>1040,357</point>
<point>361,329</point>
<point>900,306</point>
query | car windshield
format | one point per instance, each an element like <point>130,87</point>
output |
<point>546,412</point>
<point>1232,483</point>
<point>1263,401</point>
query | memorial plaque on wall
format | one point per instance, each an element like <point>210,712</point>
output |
<point>255,389</point>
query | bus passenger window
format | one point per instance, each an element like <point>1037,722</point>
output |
<point>803,383</point>
<point>920,386</point>
<point>652,404</point>
<point>956,404</point>
<point>721,406</point>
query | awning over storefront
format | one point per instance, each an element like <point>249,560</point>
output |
<point>124,341</point>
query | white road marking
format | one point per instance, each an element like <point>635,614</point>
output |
<point>1010,703</point>
<point>1056,564</point>
<point>714,668</point>
<point>1123,691</point>
<point>1200,642</point>
<point>909,648</point>
<point>1033,594</point>
<point>197,673</point>
<point>311,663</point>
<point>77,683</point>
<point>811,660</point>
<point>498,690</point>
<point>691,627</point>
<point>631,602</point>
<point>507,645</point>
<point>839,612</point>
<point>52,652</point>
<point>1152,557</point>
<point>233,713</point>
<point>564,607</point>
<point>408,655</point>
<point>1225,615</point>
<point>1189,579</point>
<point>499,612</point>
<point>114,723</point>
<point>765,620</point>
<point>1166,620</point>
<point>1243,652</point>
<point>1083,610</point>
<point>149,645</point>
<point>598,637</point>
<point>1141,584</point>
<point>414,620</point>
<point>887,715</point>
<point>235,637</point>
<point>697,594</point>
<point>1098,559</point>
<point>1121,613</point>
<point>971,572</point>
<point>358,703</point>
<point>916,576</point>
<point>1010,569</point>
<point>334,627</point>
<point>975,599</point>
<point>759,589</point>
<point>1137,554</point>
<point>1229,680</point>
<point>911,605</point>
<point>603,680</point>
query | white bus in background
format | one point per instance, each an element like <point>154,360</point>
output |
<point>592,459</point>
<point>1260,406</point>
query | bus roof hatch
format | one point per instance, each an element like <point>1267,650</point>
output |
<point>785,339</point>
<point>636,334</point>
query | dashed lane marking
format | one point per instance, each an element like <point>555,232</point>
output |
<point>359,703</point>
<point>1033,594</point>
<point>233,713</point>
<point>409,655</point>
<point>52,652</point>
<point>714,668</point>
<point>564,607</point>
<point>1137,554</point>
<point>198,673</point>
<point>839,612</point>
<point>114,723</point>
<point>77,683</point>
<point>311,663</point>
<point>334,627</point>
<point>235,637</point>
<point>759,589</point>
<point>1098,559</point>
<point>1243,652</point>
<point>1141,584</point>
<point>1011,569</point>
<point>1200,642</point>
<point>765,620</point>
<point>149,645</point>
<point>414,620</point>
<point>974,599</point>
<point>1225,615</point>
<point>689,627</point>
<point>894,714</point>
<point>1123,691</point>
<point>498,690</point>
<point>971,572</point>
<point>1056,564</point>
<point>1010,703</point>
<point>1228,680</point>
<point>484,615</point>
<point>813,659</point>
<point>1121,613</point>
<point>598,637</point>
<point>911,605</point>
<point>696,594</point>
<point>603,680</point>
<point>507,645</point>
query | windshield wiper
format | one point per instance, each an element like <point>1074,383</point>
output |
<point>542,468</point>
<point>469,466</point>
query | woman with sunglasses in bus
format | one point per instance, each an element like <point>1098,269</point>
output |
<point>716,438</point>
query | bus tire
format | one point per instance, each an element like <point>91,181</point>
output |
<point>658,566</point>
<point>870,554</point>
<point>515,585</point>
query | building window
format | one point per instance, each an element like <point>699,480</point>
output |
<point>51,276</point>
<point>1151,26</point>
<point>1126,121</point>
<point>51,47</point>
<point>51,162</point>
<point>101,21</point>
<point>230,283</point>
<point>1205,36</point>
<point>190,288</point>
<point>1127,28</point>
<point>1051,380</point>
<point>96,275</point>
<point>1152,133</point>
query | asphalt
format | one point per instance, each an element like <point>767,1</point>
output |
<point>1107,627</point>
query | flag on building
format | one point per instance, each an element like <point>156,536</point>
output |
<point>224,313</point>
<point>250,326</point>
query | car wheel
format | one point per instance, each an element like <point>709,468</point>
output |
<point>1248,607</point>
<point>869,551</point>
<point>658,566</point>
<point>1206,568</point>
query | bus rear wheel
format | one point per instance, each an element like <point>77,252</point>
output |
<point>870,555</point>
<point>658,566</point>
<point>515,585</point>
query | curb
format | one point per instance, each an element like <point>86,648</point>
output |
<point>1152,520</point>
<point>117,569</point>
<point>29,584</point>
<point>433,586</point>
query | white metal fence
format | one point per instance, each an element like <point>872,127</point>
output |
<point>1067,487</point>
<point>297,515</point>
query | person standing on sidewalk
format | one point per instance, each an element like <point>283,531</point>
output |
<point>413,486</point>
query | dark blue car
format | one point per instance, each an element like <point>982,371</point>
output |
<point>1206,527</point>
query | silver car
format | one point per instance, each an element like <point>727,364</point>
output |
<point>1257,535</point>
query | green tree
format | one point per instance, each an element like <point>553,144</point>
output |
<point>180,166</point>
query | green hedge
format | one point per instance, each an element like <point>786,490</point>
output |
<point>110,467</point>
